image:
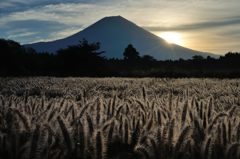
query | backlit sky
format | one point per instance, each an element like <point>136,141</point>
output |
<point>205,25</point>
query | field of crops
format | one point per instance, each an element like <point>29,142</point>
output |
<point>119,118</point>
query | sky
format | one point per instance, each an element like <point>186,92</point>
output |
<point>204,25</point>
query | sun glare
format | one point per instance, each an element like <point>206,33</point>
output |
<point>172,37</point>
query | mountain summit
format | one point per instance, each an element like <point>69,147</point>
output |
<point>115,33</point>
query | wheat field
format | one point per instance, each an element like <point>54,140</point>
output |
<point>119,118</point>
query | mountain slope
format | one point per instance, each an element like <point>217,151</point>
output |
<point>114,34</point>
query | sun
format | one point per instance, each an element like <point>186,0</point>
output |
<point>172,37</point>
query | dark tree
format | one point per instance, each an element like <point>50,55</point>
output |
<point>198,57</point>
<point>83,58</point>
<point>11,57</point>
<point>148,58</point>
<point>131,54</point>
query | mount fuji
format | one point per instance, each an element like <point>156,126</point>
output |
<point>115,33</point>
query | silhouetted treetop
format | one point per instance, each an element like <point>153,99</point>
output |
<point>148,58</point>
<point>83,57</point>
<point>231,56</point>
<point>130,53</point>
<point>197,57</point>
<point>84,48</point>
<point>86,59</point>
<point>9,46</point>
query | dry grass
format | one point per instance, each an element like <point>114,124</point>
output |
<point>119,118</point>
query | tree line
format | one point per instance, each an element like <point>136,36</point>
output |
<point>85,59</point>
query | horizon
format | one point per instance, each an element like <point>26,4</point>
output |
<point>209,26</point>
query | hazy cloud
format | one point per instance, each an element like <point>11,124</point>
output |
<point>8,6</point>
<point>29,30</point>
<point>197,26</point>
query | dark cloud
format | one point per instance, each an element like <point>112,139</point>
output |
<point>197,26</point>
<point>35,24</point>
<point>30,30</point>
<point>22,5</point>
<point>234,30</point>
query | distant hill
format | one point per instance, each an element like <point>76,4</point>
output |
<point>115,33</point>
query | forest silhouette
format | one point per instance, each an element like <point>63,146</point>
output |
<point>85,59</point>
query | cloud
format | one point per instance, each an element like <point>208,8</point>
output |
<point>69,13</point>
<point>197,26</point>
<point>30,30</point>
<point>49,22</point>
<point>21,5</point>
